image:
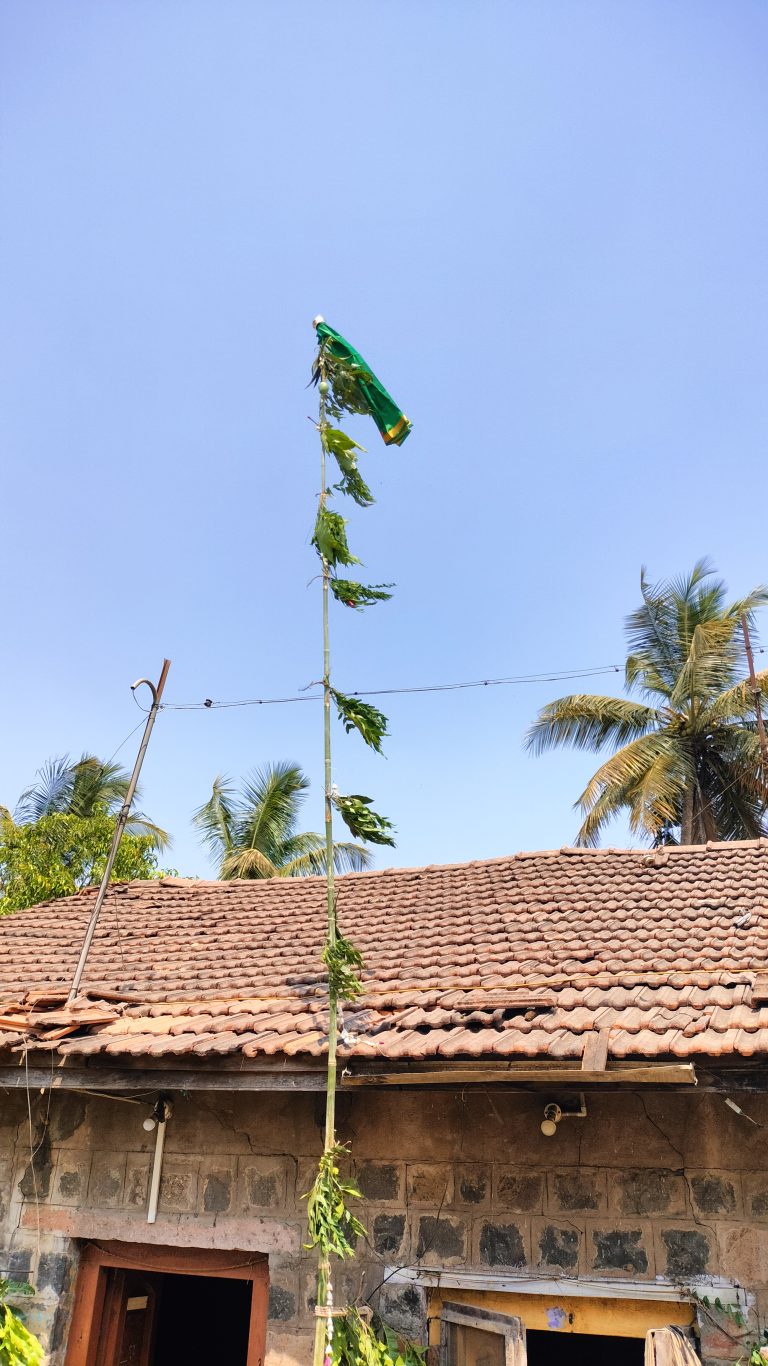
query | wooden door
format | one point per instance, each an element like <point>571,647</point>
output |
<point>471,1336</point>
<point>128,1319</point>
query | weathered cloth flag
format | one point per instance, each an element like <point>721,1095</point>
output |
<point>391,422</point>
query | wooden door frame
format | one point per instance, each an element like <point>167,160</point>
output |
<point>97,1258</point>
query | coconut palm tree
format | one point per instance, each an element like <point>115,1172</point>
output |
<point>252,832</point>
<point>687,765</point>
<point>84,788</point>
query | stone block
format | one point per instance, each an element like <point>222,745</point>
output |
<point>178,1186</point>
<point>404,1308</point>
<point>472,1184</point>
<point>501,1245</point>
<point>137,1180</point>
<point>351,1284</point>
<point>430,1184</point>
<point>68,1114</point>
<point>5,1186</point>
<point>286,1348</point>
<point>381,1181</point>
<point>283,1299</point>
<point>556,1246</point>
<point>442,1241</point>
<point>53,1271</point>
<point>306,1171</point>
<point>755,1188</point>
<point>216,1183</point>
<point>744,1251</point>
<point>107,1179</point>
<point>71,1181</point>
<point>386,1232</point>
<point>646,1190</point>
<point>581,1189</point>
<point>519,1190</point>
<point>20,1264</point>
<point>621,1250</point>
<point>35,1183</point>
<point>715,1193</point>
<point>685,1252</point>
<point>263,1182</point>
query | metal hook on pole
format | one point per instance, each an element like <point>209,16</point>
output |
<point>122,819</point>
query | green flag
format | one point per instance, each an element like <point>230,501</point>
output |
<point>391,422</point>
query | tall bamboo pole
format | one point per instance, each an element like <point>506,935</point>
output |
<point>323,1266</point>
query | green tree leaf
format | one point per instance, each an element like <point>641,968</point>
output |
<point>344,450</point>
<point>361,821</point>
<point>58,855</point>
<point>360,594</point>
<point>361,716</point>
<point>330,539</point>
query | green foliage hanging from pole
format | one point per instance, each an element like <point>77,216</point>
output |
<point>345,384</point>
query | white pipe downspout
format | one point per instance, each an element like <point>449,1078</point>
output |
<point>165,1110</point>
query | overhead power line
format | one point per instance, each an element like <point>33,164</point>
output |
<point>210,704</point>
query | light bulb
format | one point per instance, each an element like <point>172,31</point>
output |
<point>548,1128</point>
<point>149,1124</point>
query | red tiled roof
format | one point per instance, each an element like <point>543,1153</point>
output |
<point>520,957</point>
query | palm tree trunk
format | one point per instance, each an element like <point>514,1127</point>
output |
<point>686,825</point>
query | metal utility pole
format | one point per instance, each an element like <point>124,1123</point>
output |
<point>157,693</point>
<point>757,694</point>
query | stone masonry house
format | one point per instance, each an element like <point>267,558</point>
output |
<point>620,998</point>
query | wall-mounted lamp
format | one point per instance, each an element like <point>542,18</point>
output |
<point>554,1113</point>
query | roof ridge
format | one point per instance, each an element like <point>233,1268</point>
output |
<point>566,850</point>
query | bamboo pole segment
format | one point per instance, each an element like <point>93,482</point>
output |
<point>323,1325</point>
<point>122,819</point>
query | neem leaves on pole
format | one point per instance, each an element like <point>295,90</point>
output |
<point>346,384</point>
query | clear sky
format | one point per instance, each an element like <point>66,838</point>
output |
<point>543,222</point>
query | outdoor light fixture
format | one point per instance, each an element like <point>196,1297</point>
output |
<point>552,1116</point>
<point>554,1113</point>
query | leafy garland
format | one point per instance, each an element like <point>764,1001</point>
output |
<point>361,822</point>
<point>360,1343</point>
<point>359,594</point>
<point>333,1228</point>
<point>343,1338</point>
<point>18,1347</point>
<point>361,716</point>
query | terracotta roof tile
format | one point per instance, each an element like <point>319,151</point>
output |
<point>522,956</point>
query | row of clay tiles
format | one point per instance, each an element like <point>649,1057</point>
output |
<point>443,1043</point>
<point>668,988</point>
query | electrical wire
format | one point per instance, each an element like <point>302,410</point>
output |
<point>305,696</point>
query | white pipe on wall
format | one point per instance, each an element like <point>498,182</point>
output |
<point>164,1110</point>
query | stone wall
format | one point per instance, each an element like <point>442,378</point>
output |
<point>671,1186</point>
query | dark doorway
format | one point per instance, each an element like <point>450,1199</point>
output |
<point>201,1319</point>
<point>157,1318</point>
<point>583,1349</point>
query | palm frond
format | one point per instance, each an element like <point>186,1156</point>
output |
<point>97,786</point>
<point>247,863</point>
<point>627,767</point>
<point>738,703</point>
<point>588,722</point>
<point>139,824</point>
<point>305,856</point>
<point>269,807</point>
<point>50,794</point>
<point>215,819</point>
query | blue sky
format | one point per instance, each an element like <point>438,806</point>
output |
<point>543,223</point>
